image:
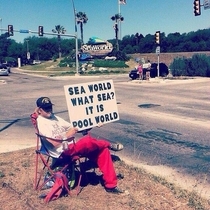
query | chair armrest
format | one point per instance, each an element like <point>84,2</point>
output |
<point>70,139</point>
<point>56,140</point>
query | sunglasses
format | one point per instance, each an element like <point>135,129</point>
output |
<point>47,109</point>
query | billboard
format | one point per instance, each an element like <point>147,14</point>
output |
<point>97,47</point>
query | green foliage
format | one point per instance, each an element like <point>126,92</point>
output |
<point>178,67</point>
<point>54,59</point>
<point>67,62</point>
<point>106,72</point>
<point>40,48</point>
<point>43,48</point>
<point>62,64</point>
<point>9,59</point>
<point>120,55</point>
<point>173,42</point>
<point>198,65</point>
<point>81,19</point>
<point>110,63</point>
<point>67,73</point>
<point>94,72</point>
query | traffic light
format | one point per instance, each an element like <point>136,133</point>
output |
<point>197,7</point>
<point>157,37</point>
<point>40,30</point>
<point>10,30</point>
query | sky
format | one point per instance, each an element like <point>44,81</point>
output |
<point>142,16</point>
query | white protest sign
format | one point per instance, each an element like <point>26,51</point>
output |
<point>92,103</point>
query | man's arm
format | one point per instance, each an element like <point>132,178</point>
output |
<point>70,133</point>
<point>56,140</point>
<point>68,136</point>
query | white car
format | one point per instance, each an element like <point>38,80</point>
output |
<point>36,62</point>
<point>8,67</point>
<point>4,70</point>
<point>113,58</point>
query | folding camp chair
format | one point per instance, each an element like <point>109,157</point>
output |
<point>50,165</point>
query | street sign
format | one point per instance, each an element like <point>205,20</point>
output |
<point>24,31</point>
<point>28,55</point>
<point>206,4</point>
<point>158,50</point>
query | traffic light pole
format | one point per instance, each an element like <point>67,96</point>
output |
<point>54,34</point>
<point>158,66</point>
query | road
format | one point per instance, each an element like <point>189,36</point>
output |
<point>164,124</point>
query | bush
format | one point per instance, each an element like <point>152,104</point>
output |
<point>63,64</point>
<point>67,61</point>
<point>109,63</point>
<point>178,67</point>
<point>120,55</point>
<point>198,65</point>
<point>106,72</point>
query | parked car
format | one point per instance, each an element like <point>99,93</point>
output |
<point>8,67</point>
<point>133,74</point>
<point>36,62</point>
<point>153,71</point>
<point>4,70</point>
<point>85,56</point>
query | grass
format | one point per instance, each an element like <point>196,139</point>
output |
<point>193,199</point>
<point>144,190</point>
<point>51,68</point>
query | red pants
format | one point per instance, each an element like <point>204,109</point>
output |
<point>97,151</point>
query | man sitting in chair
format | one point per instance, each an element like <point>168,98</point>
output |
<point>54,127</point>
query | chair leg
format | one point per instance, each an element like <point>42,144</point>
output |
<point>36,171</point>
<point>78,188</point>
<point>39,174</point>
<point>81,173</point>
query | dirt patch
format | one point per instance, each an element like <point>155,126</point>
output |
<point>143,190</point>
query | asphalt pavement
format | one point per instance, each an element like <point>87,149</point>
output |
<point>13,139</point>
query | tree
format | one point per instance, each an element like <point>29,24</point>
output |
<point>138,37</point>
<point>81,19</point>
<point>59,30</point>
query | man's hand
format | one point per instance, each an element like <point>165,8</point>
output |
<point>75,129</point>
<point>100,125</point>
<point>71,132</point>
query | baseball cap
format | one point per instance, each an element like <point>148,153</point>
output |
<point>44,102</point>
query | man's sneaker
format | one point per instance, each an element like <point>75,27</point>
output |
<point>114,190</point>
<point>116,146</point>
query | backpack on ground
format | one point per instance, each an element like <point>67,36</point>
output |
<point>59,188</point>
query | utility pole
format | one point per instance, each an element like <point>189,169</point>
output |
<point>76,40</point>
<point>1,25</point>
